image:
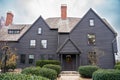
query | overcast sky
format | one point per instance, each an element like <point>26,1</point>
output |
<point>27,11</point>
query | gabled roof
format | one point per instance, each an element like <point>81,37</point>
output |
<point>102,19</point>
<point>4,36</point>
<point>63,26</point>
<point>65,43</point>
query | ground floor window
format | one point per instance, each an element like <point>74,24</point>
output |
<point>22,58</point>
<point>31,59</point>
<point>43,56</point>
<point>51,57</point>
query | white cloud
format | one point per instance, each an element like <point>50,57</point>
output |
<point>27,11</point>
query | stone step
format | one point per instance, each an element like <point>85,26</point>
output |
<point>69,73</point>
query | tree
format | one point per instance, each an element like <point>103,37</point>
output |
<point>95,55</point>
<point>8,59</point>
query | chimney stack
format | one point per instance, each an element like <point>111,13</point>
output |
<point>63,11</point>
<point>9,19</point>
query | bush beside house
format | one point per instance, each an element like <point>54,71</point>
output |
<point>87,71</point>
<point>31,71</point>
<point>57,68</point>
<point>11,76</point>
<point>106,75</point>
<point>41,63</point>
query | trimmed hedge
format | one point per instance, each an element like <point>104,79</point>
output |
<point>57,68</point>
<point>117,67</point>
<point>11,76</point>
<point>41,63</point>
<point>87,71</point>
<point>31,71</point>
<point>48,73</point>
<point>106,75</point>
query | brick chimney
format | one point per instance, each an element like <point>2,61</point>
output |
<point>9,19</point>
<point>63,11</point>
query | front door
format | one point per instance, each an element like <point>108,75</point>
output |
<point>69,62</point>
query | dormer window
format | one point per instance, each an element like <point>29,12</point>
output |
<point>39,30</point>
<point>91,22</point>
<point>13,31</point>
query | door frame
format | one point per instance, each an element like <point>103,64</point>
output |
<point>77,60</point>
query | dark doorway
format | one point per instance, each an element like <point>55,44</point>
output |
<point>69,62</point>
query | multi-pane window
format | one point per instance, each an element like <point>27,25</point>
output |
<point>92,58</point>
<point>31,59</point>
<point>44,43</point>
<point>43,56</point>
<point>91,21</point>
<point>39,30</point>
<point>50,57</point>
<point>13,31</point>
<point>32,43</point>
<point>91,39</point>
<point>22,58</point>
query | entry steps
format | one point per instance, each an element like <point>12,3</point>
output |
<point>69,73</point>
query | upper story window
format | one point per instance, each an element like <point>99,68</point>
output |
<point>13,31</point>
<point>39,30</point>
<point>31,59</point>
<point>44,43</point>
<point>91,39</point>
<point>32,43</point>
<point>91,21</point>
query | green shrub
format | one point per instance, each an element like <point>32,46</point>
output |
<point>117,63</point>
<point>87,71</point>
<point>41,63</point>
<point>117,67</point>
<point>48,73</point>
<point>57,68</point>
<point>106,75</point>
<point>32,71</point>
<point>11,76</point>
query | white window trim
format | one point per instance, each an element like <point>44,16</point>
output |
<point>39,30</point>
<point>92,22</point>
<point>44,43</point>
<point>32,43</point>
<point>31,56</point>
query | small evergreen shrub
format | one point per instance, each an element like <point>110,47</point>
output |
<point>31,71</point>
<point>48,73</point>
<point>87,71</point>
<point>117,67</point>
<point>57,68</point>
<point>106,75</point>
<point>41,63</point>
<point>11,76</point>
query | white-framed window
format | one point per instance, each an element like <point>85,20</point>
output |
<point>44,43</point>
<point>32,43</point>
<point>91,21</point>
<point>31,59</point>
<point>39,30</point>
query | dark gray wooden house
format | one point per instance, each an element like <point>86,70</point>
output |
<point>67,39</point>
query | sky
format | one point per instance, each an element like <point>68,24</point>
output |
<point>27,11</point>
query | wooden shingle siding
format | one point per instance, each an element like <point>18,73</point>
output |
<point>73,41</point>
<point>104,38</point>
